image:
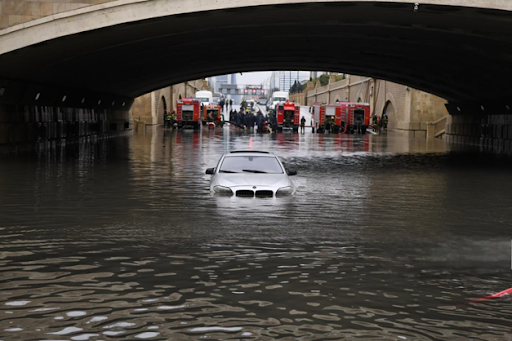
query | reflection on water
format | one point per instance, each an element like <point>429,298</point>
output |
<point>387,238</point>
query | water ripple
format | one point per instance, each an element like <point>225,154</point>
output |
<point>386,239</point>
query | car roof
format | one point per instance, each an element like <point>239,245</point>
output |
<point>249,152</point>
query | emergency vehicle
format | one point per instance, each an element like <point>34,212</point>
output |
<point>318,115</point>
<point>189,113</point>
<point>357,117</point>
<point>345,117</point>
<point>212,113</point>
<point>287,115</point>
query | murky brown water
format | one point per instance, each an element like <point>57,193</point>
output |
<point>387,238</point>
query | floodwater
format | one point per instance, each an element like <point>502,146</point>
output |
<point>387,238</point>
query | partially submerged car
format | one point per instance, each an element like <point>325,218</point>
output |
<point>249,174</point>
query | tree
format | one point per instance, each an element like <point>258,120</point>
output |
<point>297,87</point>
<point>294,88</point>
<point>324,79</point>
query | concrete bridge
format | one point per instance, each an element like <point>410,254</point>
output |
<point>102,54</point>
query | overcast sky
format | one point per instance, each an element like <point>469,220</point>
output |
<point>256,78</point>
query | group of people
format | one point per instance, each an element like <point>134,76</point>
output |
<point>245,119</point>
<point>226,104</point>
<point>380,124</point>
<point>242,118</point>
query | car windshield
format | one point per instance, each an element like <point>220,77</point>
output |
<point>203,99</point>
<point>279,99</point>
<point>250,164</point>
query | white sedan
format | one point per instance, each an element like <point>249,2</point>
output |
<point>249,174</point>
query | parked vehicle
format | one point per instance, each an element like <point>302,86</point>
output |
<point>357,117</point>
<point>261,101</point>
<point>286,115</point>
<point>250,174</point>
<point>188,113</point>
<point>345,117</point>
<point>268,105</point>
<point>279,96</point>
<point>205,97</point>
<point>212,113</point>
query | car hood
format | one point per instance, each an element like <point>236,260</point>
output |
<point>252,179</point>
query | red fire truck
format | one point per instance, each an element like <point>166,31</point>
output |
<point>189,113</point>
<point>326,118</point>
<point>317,114</point>
<point>212,113</point>
<point>346,117</point>
<point>357,118</point>
<point>287,115</point>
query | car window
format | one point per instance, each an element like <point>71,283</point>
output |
<point>249,163</point>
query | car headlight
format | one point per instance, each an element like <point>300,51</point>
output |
<point>284,191</point>
<point>222,190</point>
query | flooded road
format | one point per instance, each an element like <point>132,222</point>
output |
<point>387,238</point>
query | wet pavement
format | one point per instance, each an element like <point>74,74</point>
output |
<point>387,238</point>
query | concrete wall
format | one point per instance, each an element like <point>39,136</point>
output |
<point>24,127</point>
<point>141,108</point>
<point>408,109</point>
<point>489,133</point>
<point>13,12</point>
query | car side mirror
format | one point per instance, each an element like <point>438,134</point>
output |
<point>291,171</point>
<point>210,170</point>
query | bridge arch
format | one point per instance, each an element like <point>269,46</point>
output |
<point>162,108</point>
<point>119,42</point>
<point>390,111</point>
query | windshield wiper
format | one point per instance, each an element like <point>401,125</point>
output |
<point>226,171</point>
<point>253,171</point>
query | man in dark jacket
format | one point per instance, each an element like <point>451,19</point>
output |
<point>303,125</point>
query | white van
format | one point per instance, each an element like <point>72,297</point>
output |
<point>205,97</point>
<point>279,96</point>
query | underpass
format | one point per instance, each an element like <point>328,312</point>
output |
<point>101,56</point>
<point>387,237</point>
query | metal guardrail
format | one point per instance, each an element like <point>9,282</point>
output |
<point>437,128</point>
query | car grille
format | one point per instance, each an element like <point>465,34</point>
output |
<point>250,194</point>
<point>264,194</point>
<point>244,193</point>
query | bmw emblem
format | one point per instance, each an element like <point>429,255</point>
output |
<point>253,187</point>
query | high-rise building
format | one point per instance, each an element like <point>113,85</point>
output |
<point>233,78</point>
<point>219,81</point>
<point>287,79</point>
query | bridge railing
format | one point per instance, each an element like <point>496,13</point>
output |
<point>437,128</point>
